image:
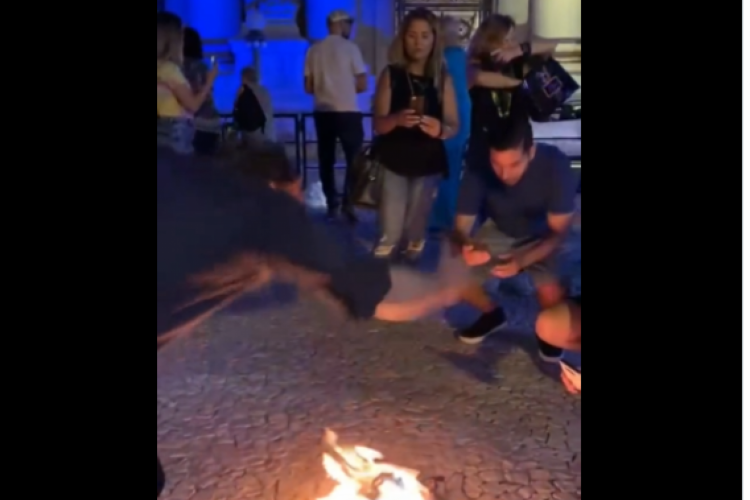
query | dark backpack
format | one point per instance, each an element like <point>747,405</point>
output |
<point>248,113</point>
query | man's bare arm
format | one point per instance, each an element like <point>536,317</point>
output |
<point>361,83</point>
<point>543,48</point>
<point>463,229</point>
<point>560,226</point>
<point>309,81</point>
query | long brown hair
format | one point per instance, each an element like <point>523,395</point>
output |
<point>491,35</point>
<point>435,68</point>
<point>168,39</point>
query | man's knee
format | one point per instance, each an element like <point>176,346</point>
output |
<point>560,327</point>
<point>545,276</point>
<point>550,293</point>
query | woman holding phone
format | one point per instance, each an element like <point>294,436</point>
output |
<point>176,100</point>
<point>415,112</point>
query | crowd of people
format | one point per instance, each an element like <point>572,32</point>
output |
<point>453,133</point>
<point>454,136</point>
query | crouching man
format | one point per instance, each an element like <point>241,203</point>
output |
<point>529,192</point>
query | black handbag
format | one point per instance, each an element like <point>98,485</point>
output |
<point>366,180</point>
<point>549,87</point>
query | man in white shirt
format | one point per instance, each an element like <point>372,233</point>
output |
<point>335,73</point>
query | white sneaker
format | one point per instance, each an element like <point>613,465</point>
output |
<point>384,251</point>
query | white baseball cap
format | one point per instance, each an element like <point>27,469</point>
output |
<point>338,16</point>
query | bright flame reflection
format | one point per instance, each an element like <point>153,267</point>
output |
<point>360,475</point>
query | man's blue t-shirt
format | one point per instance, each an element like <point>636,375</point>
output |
<point>548,187</point>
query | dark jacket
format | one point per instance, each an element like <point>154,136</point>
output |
<point>218,237</point>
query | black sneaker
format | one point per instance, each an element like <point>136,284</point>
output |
<point>484,327</point>
<point>333,214</point>
<point>549,353</point>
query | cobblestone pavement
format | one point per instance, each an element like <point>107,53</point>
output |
<point>242,404</point>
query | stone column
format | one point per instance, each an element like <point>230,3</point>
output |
<point>384,26</point>
<point>317,13</point>
<point>373,34</point>
<point>560,21</point>
<point>282,62</point>
<point>215,20</point>
<point>556,19</point>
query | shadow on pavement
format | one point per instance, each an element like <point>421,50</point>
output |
<point>484,364</point>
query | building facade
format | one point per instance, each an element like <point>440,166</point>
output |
<point>291,25</point>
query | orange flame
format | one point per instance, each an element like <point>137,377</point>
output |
<point>360,475</point>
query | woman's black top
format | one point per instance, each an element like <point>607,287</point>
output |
<point>491,108</point>
<point>411,152</point>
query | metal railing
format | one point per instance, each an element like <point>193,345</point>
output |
<point>301,140</point>
<point>305,117</point>
<point>296,142</point>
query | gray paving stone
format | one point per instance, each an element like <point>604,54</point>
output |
<point>242,404</point>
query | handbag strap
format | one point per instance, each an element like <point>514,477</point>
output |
<point>411,85</point>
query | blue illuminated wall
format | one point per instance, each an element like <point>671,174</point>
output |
<point>281,63</point>
<point>214,19</point>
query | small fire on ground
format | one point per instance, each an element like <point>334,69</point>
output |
<point>361,474</point>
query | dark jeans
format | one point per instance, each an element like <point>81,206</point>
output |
<point>344,127</point>
<point>206,143</point>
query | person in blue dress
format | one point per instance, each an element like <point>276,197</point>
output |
<point>444,211</point>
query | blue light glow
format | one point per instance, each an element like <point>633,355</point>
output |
<point>215,19</point>
<point>281,62</point>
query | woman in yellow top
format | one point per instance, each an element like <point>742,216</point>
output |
<point>176,101</point>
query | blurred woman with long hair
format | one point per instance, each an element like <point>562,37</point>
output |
<point>176,101</point>
<point>497,67</point>
<point>415,112</point>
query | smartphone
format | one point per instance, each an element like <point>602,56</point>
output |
<point>418,105</point>
<point>458,240</point>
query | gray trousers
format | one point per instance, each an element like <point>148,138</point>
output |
<point>406,207</point>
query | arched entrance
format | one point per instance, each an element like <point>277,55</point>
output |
<point>470,12</point>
